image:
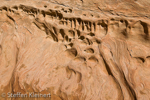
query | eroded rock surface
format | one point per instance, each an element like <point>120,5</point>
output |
<point>75,50</point>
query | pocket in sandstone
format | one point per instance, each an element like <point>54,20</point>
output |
<point>79,59</point>
<point>140,29</point>
<point>72,53</point>
<point>89,50</point>
<point>71,34</point>
<point>70,45</point>
<point>93,59</point>
<point>101,29</point>
<point>91,34</point>
<point>137,29</point>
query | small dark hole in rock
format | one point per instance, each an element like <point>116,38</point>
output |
<point>45,6</point>
<point>82,37</point>
<point>121,21</point>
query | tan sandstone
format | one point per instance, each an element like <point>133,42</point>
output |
<point>75,49</point>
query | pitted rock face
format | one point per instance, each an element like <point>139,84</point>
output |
<point>75,50</point>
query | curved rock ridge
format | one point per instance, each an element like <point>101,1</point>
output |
<point>63,51</point>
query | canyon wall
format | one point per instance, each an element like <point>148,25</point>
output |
<point>75,49</point>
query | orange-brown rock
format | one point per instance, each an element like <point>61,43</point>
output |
<point>75,49</point>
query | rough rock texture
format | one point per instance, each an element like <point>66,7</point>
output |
<point>75,49</point>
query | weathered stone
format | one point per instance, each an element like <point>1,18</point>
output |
<point>75,49</point>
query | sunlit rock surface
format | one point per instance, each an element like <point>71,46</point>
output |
<point>75,49</point>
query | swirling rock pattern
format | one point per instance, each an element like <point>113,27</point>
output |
<point>75,50</point>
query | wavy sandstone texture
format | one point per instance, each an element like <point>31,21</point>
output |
<point>75,50</point>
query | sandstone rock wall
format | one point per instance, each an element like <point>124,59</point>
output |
<point>75,50</point>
